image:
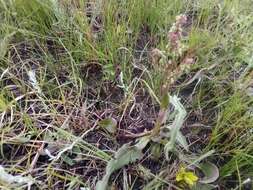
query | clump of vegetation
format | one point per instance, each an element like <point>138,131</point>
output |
<point>126,94</point>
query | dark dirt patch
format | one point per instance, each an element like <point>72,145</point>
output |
<point>94,17</point>
<point>54,49</point>
<point>145,39</point>
<point>101,141</point>
<point>139,117</point>
<point>25,51</point>
<point>154,165</point>
<point>111,93</point>
<point>144,43</point>
<point>92,73</point>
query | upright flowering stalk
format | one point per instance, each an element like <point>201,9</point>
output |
<point>175,35</point>
<point>176,59</point>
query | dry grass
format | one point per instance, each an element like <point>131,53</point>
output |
<point>68,65</point>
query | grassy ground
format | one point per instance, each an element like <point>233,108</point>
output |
<point>82,79</point>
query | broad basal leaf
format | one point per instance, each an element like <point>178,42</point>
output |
<point>125,155</point>
<point>176,125</point>
<point>210,171</point>
<point>180,138</point>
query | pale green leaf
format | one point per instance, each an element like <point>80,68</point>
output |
<point>176,125</point>
<point>165,101</point>
<point>110,124</point>
<point>210,171</point>
<point>125,155</point>
<point>201,186</point>
<point>156,150</point>
<point>17,180</point>
<point>180,138</point>
<point>182,141</point>
<point>198,159</point>
<point>67,160</point>
<point>4,44</point>
<point>3,103</point>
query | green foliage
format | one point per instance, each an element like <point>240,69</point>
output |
<point>125,155</point>
<point>176,125</point>
<point>210,171</point>
<point>110,124</point>
<point>99,52</point>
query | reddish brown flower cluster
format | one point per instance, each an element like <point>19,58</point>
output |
<point>175,34</point>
